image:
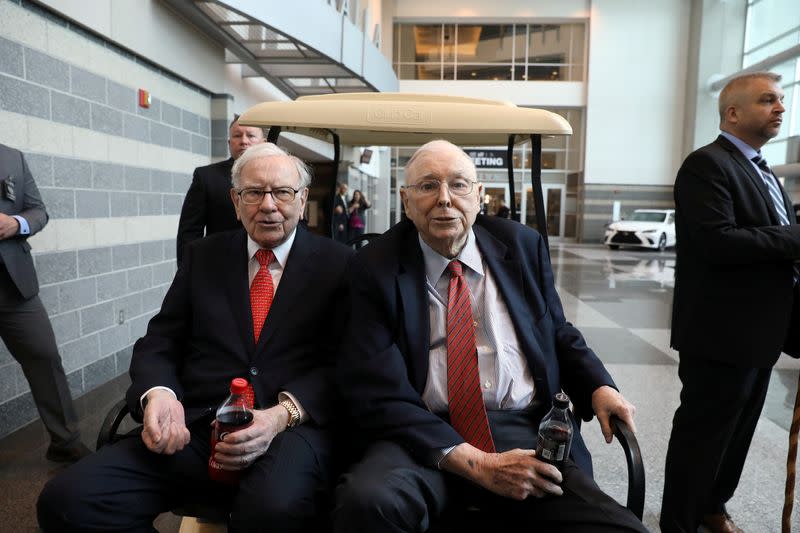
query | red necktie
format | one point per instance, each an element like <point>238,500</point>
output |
<point>464,396</point>
<point>261,292</point>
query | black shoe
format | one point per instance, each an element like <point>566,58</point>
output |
<point>67,454</point>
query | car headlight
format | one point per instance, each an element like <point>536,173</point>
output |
<point>650,231</point>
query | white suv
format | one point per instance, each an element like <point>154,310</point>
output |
<point>648,228</point>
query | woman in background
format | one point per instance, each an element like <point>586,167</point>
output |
<point>358,204</point>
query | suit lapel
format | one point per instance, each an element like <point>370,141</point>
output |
<point>413,294</point>
<point>298,266</point>
<point>238,290</point>
<point>507,273</point>
<point>755,177</point>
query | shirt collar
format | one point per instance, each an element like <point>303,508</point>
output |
<point>748,151</point>
<point>435,263</point>
<point>281,251</point>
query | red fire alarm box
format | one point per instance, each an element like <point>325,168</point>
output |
<point>144,98</point>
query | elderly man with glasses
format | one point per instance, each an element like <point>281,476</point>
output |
<point>263,303</point>
<point>455,346</point>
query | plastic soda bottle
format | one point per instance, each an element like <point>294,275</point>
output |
<point>555,433</point>
<point>234,414</point>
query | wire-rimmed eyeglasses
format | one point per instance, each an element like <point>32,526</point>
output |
<point>457,186</point>
<point>280,195</point>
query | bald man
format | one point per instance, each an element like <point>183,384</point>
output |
<point>421,456</point>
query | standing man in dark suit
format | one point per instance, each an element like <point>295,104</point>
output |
<point>735,295</point>
<point>437,436</point>
<point>24,325</point>
<point>207,208</point>
<point>210,329</point>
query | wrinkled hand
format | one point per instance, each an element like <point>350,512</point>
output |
<point>241,448</point>
<point>9,226</point>
<point>164,425</point>
<point>607,401</point>
<point>515,474</point>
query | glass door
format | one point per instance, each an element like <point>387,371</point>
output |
<point>553,208</point>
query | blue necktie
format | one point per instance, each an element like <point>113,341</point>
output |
<point>775,194</point>
<point>773,188</point>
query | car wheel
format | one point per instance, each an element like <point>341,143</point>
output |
<point>662,243</point>
<point>613,246</point>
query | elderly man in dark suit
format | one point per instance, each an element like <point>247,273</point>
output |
<point>456,344</point>
<point>207,208</point>
<point>211,328</point>
<point>735,304</point>
<point>24,325</point>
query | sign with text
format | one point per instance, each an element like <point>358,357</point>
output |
<point>488,158</point>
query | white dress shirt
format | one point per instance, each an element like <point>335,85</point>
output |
<point>506,380</point>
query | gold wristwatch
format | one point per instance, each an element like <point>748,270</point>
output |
<point>294,412</point>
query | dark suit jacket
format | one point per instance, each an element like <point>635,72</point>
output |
<point>384,366</point>
<point>203,335</point>
<point>733,288</point>
<point>207,207</point>
<point>15,252</point>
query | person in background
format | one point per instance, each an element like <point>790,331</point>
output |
<point>24,325</point>
<point>357,220</point>
<point>735,228</point>
<point>262,302</point>
<point>340,200</point>
<point>340,228</point>
<point>207,207</point>
<point>455,345</point>
<point>502,210</point>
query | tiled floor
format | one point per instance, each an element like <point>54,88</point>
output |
<point>621,301</point>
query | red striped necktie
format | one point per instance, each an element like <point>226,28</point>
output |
<point>464,396</point>
<point>261,292</point>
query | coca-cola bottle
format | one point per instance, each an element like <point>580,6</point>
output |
<point>234,414</point>
<point>555,433</point>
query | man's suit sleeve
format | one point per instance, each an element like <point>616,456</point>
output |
<point>713,221</point>
<point>192,223</point>
<point>158,355</point>
<point>33,209</point>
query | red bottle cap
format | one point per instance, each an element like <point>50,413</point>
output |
<point>238,386</point>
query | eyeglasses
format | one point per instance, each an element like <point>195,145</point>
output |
<point>430,187</point>
<point>281,195</point>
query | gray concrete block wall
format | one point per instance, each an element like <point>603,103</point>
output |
<point>37,84</point>
<point>100,299</point>
<point>100,302</point>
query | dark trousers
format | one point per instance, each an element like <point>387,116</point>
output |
<point>389,491</point>
<point>124,486</point>
<point>711,434</point>
<point>26,331</point>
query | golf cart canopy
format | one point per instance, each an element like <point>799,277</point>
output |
<point>405,119</point>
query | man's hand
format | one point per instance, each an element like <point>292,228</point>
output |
<point>607,401</point>
<point>9,226</point>
<point>241,448</point>
<point>164,425</point>
<point>513,474</point>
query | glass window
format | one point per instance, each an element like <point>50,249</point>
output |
<point>448,36</point>
<point>767,19</point>
<point>490,51</point>
<point>771,48</point>
<point>794,112</point>
<point>483,72</point>
<point>419,43</point>
<point>485,44</point>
